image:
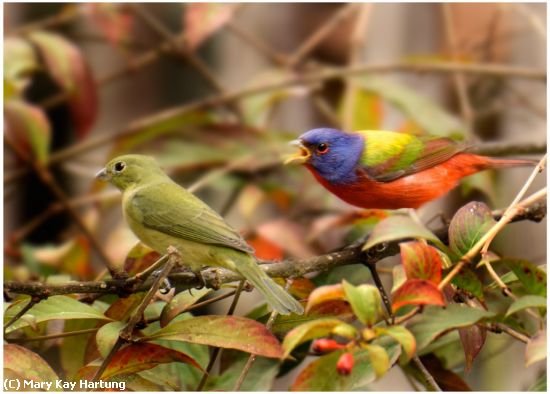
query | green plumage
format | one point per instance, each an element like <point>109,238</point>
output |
<point>390,155</point>
<point>161,214</point>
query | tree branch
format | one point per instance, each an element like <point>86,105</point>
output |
<point>352,254</point>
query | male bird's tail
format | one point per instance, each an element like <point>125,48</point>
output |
<point>493,162</point>
<point>275,295</point>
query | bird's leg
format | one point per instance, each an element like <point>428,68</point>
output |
<point>201,280</point>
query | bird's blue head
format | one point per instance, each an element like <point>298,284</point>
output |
<point>332,153</point>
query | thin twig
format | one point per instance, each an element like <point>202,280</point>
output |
<point>358,40</point>
<point>430,381</point>
<point>320,34</point>
<point>458,78</point>
<point>256,42</point>
<point>125,334</point>
<point>216,351</point>
<point>252,357</point>
<point>32,302</point>
<point>53,336</point>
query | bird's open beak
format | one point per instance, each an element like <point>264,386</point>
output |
<point>103,175</point>
<point>301,156</point>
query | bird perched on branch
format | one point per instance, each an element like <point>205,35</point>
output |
<point>389,170</point>
<point>161,214</point>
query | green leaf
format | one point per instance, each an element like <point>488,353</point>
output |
<point>107,336</point>
<point>138,357</point>
<point>22,362</point>
<point>231,332</point>
<point>73,348</point>
<point>310,330</point>
<point>19,62</point>
<point>536,348</point>
<point>434,322</point>
<point>404,337</point>
<point>180,303</point>
<point>321,374</point>
<point>421,261</point>
<point>466,279</point>
<point>528,301</point>
<point>378,358</point>
<point>28,128</point>
<point>428,115</point>
<point>417,292</point>
<point>367,111</point>
<point>68,68</point>
<point>468,225</point>
<point>365,302</point>
<point>398,227</point>
<point>54,308</point>
<point>532,277</point>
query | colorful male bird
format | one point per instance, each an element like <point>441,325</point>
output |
<point>389,170</point>
<point>161,214</point>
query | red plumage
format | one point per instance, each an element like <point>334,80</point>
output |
<point>414,190</point>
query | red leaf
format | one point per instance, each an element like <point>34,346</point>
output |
<point>28,128</point>
<point>203,19</point>
<point>421,261</point>
<point>231,332</point>
<point>67,67</point>
<point>141,356</point>
<point>113,19</point>
<point>325,294</point>
<point>473,339</point>
<point>417,292</point>
<point>265,249</point>
<point>139,258</point>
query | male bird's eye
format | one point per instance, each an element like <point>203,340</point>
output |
<point>322,148</point>
<point>119,166</point>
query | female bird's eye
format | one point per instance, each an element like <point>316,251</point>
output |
<point>322,148</point>
<point>119,166</point>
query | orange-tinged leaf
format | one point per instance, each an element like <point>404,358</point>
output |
<point>67,67</point>
<point>417,292</point>
<point>201,20</point>
<point>421,261</point>
<point>325,294</point>
<point>123,307</point>
<point>231,332</point>
<point>468,225</point>
<point>114,20</point>
<point>287,235</point>
<point>139,258</point>
<point>27,364</point>
<point>142,356</point>
<point>28,128</point>
<point>264,249</point>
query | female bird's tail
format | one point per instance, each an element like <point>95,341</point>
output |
<point>275,295</point>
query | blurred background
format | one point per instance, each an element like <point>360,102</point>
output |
<point>215,92</point>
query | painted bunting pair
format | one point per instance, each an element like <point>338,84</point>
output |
<point>369,169</point>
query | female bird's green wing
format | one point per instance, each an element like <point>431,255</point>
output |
<point>390,155</point>
<point>170,209</point>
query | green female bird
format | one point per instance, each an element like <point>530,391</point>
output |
<point>161,214</point>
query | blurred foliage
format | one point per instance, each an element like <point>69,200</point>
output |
<point>238,158</point>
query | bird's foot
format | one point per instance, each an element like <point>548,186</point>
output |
<point>201,279</point>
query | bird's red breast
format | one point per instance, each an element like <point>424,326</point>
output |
<point>414,190</point>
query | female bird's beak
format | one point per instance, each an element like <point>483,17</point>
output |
<point>103,175</point>
<point>301,156</point>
